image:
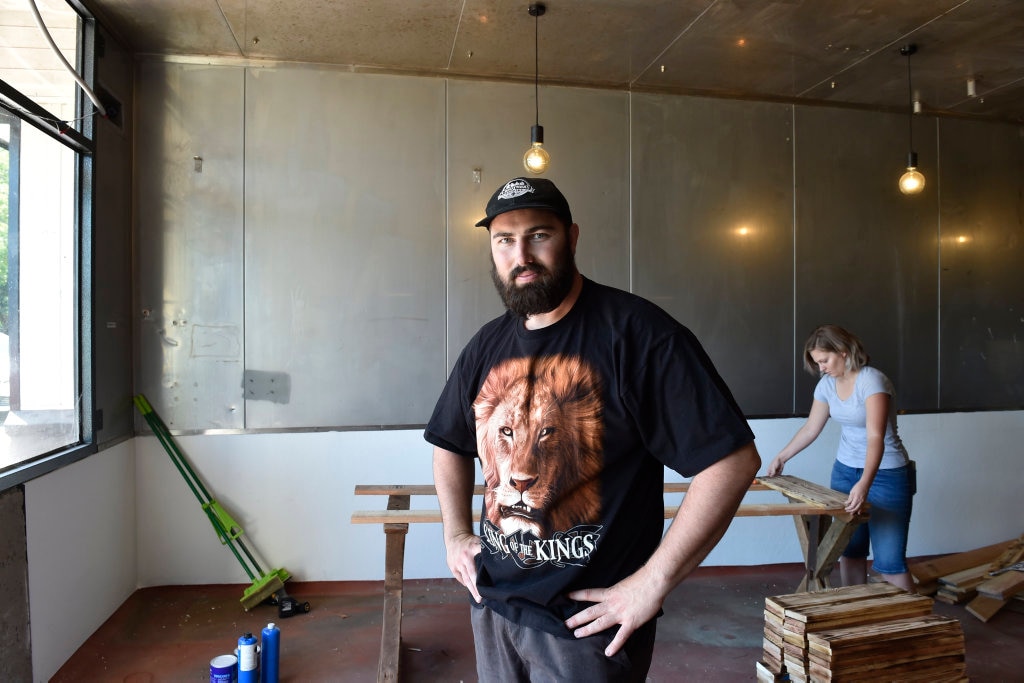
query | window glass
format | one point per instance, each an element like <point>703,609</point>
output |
<point>41,376</point>
<point>38,281</point>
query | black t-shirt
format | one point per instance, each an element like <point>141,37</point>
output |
<point>573,424</point>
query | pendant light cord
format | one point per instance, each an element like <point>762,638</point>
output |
<point>910,101</point>
<point>536,65</point>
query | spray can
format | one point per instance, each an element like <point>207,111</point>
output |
<point>247,661</point>
<point>270,653</point>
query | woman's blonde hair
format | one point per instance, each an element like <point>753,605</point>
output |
<point>838,340</point>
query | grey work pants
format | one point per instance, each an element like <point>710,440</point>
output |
<point>509,653</point>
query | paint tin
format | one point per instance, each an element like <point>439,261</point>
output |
<point>247,660</point>
<point>224,669</point>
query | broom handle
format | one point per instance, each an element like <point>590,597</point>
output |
<point>231,544</point>
<point>193,481</point>
<point>164,434</point>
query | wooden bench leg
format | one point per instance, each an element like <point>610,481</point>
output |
<point>822,540</point>
<point>809,530</point>
<point>832,545</point>
<point>394,572</point>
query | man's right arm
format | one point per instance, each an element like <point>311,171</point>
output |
<point>454,477</point>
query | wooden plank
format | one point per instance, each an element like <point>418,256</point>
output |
<point>780,604</point>
<point>1004,586</point>
<point>403,516</point>
<point>428,516</point>
<point>926,571</point>
<point>903,648</point>
<point>882,634</point>
<point>772,510</point>
<point>478,490</point>
<point>985,607</point>
<point>394,574</point>
<point>936,670</point>
<point>965,578</point>
<point>833,543</point>
<point>389,664</point>
<point>856,613</point>
<point>1014,553</point>
<point>806,491</point>
<point>765,673</point>
<point>401,489</point>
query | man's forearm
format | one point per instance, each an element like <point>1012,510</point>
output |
<point>707,510</point>
<point>454,476</point>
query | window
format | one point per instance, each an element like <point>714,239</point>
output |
<point>45,166</point>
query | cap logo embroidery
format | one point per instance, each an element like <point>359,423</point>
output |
<point>515,188</point>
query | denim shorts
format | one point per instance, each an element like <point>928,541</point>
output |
<point>891,498</point>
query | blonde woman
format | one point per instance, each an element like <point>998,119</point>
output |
<point>871,463</point>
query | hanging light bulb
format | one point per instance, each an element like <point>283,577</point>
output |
<point>536,159</point>
<point>912,181</point>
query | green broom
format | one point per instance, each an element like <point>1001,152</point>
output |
<point>264,585</point>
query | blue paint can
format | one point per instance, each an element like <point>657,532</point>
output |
<point>247,660</point>
<point>270,653</point>
<point>224,669</point>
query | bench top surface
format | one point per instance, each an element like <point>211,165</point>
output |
<point>805,498</point>
<point>792,487</point>
<point>430,490</point>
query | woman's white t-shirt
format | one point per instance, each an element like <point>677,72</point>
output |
<point>852,415</point>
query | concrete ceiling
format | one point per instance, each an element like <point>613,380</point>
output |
<point>817,51</point>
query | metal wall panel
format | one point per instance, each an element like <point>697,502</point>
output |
<point>712,234</point>
<point>982,314</point>
<point>112,258</point>
<point>866,255</point>
<point>587,134</point>
<point>344,246</point>
<point>188,227</point>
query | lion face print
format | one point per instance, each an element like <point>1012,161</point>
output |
<point>539,436</point>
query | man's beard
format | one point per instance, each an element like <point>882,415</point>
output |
<point>542,295</point>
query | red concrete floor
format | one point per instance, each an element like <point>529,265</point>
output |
<point>711,631</point>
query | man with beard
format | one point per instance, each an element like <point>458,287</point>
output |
<point>563,591</point>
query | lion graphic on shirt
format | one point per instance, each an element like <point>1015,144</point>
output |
<point>539,436</point>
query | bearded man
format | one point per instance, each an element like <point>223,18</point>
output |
<point>574,401</point>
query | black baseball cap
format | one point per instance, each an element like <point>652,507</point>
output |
<point>527,193</point>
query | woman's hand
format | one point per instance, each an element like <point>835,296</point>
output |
<point>775,466</point>
<point>858,494</point>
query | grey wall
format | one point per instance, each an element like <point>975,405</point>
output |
<point>713,233</point>
<point>982,238</point>
<point>112,260</point>
<point>16,663</point>
<point>865,256</point>
<point>321,270</point>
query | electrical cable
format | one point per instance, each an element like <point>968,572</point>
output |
<point>56,50</point>
<point>910,98</point>
<point>60,124</point>
<point>536,64</point>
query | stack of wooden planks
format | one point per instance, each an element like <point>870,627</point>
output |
<point>986,579</point>
<point>869,632</point>
<point>927,649</point>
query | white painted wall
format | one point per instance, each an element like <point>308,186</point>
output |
<point>80,524</point>
<point>292,493</point>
